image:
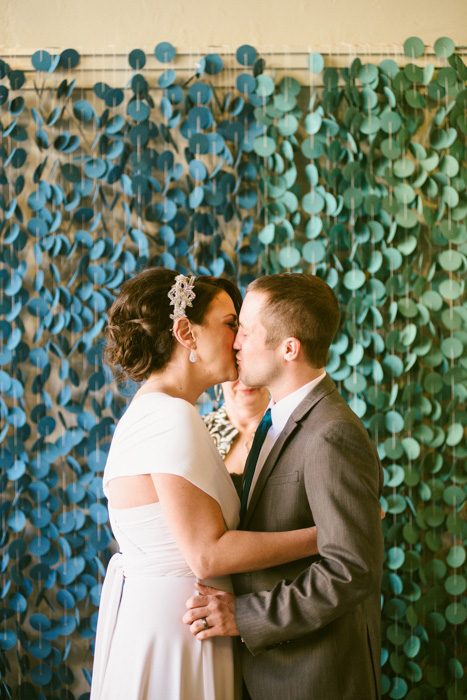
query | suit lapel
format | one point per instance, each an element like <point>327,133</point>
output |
<point>325,387</point>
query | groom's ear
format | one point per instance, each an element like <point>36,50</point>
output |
<point>183,332</point>
<point>292,347</point>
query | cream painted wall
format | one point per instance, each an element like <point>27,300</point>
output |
<point>107,24</point>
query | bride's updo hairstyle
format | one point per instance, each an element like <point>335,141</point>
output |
<point>139,331</point>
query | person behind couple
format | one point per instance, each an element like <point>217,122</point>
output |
<point>310,630</point>
<point>172,505</point>
<point>233,424</point>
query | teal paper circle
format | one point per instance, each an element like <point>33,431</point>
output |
<point>456,556</point>
<point>444,47</point>
<point>414,47</point>
<point>315,63</point>
<point>289,257</point>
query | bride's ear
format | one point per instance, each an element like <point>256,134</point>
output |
<point>183,332</point>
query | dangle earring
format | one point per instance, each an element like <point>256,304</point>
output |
<point>192,355</point>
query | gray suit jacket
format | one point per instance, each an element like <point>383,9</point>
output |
<point>311,628</point>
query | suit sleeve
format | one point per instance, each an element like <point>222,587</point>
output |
<point>343,483</point>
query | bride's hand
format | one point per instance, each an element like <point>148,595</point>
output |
<point>213,608</point>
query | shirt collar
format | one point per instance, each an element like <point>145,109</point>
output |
<point>283,409</point>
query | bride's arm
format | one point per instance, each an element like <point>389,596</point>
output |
<point>198,527</point>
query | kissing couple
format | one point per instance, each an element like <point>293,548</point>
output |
<point>288,577</point>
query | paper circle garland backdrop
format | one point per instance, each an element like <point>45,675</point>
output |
<point>358,175</point>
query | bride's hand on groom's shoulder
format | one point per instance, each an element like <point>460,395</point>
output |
<point>211,614</point>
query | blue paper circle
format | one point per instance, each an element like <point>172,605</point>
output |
<point>247,199</point>
<point>7,639</point>
<point>114,97</point>
<point>196,197</point>
<point>198,170</point>
<point>38,358</point>
<point>246,84</point>
<point>200,118</point>
<point>83,110</point>
<point>69,58</point>
<point>5,357</point>
<point>175,94</point>
<point>17,157</point>
<point>167,78</point>
<point>164,52</point>
<point>214,64</point>
<point>36,201</point>
<point>166,108</point>
<point>39,491</point>
<point>39,545</point>
<point>246,55</point>
<point>138,110</point>
<point>75,492</point>
<point>65,599</point>
<point>40,648</point>
<point>41,60</point>
<point>114,150</point>
<point>17,470</point>
<point>167,235</point>
<point>139,85</point>
<point>17,521</point>
<point>98,513</point>
<point>67,624</point>
<point>16,416</point>
<point>101,90</point>
<point>17,79</point>
<point>18,602</point>
<point>199,144</point>
<point>97,460</point>
<point>16,106</point>
<point>17,549</point>
<point>137,59</point>
<point>46,425</point>
<point>115,124</point>
<point>40,517</point>
<point>41,674</point>
<point>95,168</point>
<point>200,93</point>
<point>38,307</point>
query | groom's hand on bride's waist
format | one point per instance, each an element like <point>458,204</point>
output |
<point>211,614</point>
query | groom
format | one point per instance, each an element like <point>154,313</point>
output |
<point>310,630</point>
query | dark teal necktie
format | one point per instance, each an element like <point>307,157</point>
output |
<point>250,466</point>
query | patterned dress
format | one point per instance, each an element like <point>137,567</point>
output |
<point>224,435</point>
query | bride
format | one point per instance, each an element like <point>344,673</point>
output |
<point>172,505</point>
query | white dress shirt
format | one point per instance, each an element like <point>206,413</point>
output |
<point>280,414</point>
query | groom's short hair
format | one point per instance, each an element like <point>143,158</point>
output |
<point>300,306</point>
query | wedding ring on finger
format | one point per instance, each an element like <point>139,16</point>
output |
<point>205,623</point>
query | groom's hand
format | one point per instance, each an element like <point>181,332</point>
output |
<point>216,607</point>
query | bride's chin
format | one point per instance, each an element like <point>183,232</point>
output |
<point>229,376</point>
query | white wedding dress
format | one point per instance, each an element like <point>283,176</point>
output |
<point>143,649</point>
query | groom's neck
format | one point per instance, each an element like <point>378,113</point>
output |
<point>293,380</point>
